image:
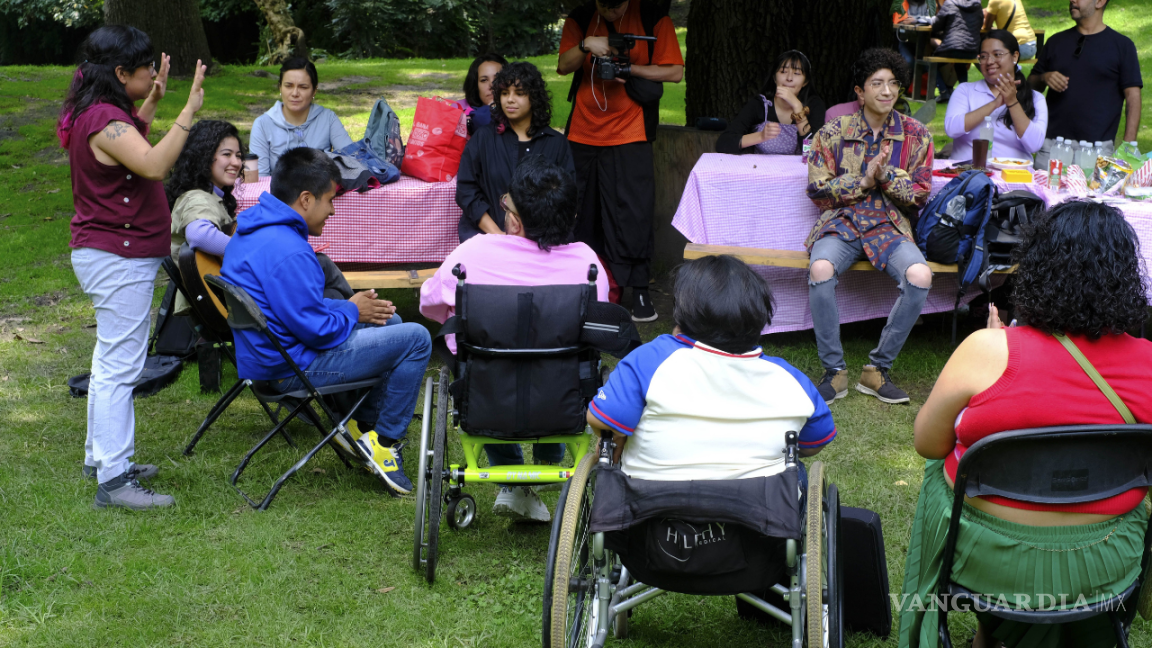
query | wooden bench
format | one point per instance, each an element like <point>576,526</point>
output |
<point>384,279</point>
<point>799,259</point>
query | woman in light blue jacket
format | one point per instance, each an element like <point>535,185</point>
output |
<point>295,121</point>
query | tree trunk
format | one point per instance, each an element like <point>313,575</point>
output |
<point>173,25</point>
<point>733,45</point>
<point>287,38</point>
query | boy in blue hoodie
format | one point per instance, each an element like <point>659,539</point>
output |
<point>332,341</point>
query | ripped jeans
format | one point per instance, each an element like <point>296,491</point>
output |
<point>826,315</point>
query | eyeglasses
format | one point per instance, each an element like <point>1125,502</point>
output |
<point>998,55</point>
<point>504,205</point>
<point>893,85</point>
<point>1079,46</point>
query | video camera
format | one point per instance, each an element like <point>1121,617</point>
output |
<point>619,64</point>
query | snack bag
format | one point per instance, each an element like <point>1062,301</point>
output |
<point>1109,175</point>
<point>1075,182</point>
<point>1142,177</point>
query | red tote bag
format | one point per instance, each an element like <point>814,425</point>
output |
<point>439,133</point>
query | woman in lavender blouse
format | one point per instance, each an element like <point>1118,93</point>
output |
<point>1018,111</point>
<point>778,119</point>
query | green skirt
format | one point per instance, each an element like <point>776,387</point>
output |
<point>1053,567</point>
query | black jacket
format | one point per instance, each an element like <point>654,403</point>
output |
<point>958,25</point>
<point>752,115</point>
<point>486,171</point>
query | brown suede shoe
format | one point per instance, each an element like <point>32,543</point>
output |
<point>833,385</point>
<point>875,381</point>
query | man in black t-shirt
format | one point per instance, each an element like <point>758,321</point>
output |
<point>1091,71</point>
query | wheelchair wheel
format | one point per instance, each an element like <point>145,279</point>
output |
<point>550,565</point>
<point>571,619</point>
<point>823,612</point>
<point>421,475</point>
<point>461,512</point>
<point>430,497</point>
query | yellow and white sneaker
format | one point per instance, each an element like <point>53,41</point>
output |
<point>387,462</point>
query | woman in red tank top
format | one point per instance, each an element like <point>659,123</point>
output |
<point>120,233</point>
<point>1079,274</point>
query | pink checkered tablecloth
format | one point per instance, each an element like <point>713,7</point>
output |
<point>758,201</point>
<point>407,221</point>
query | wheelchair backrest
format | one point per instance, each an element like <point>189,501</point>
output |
<point>1059,465</point>
<point>523,371</point>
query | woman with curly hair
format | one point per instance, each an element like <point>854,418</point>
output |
<point>200,189</point>
<point>1079,276</point>
<point>519,127</point>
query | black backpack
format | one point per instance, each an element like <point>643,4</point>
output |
<point>1002,233</point>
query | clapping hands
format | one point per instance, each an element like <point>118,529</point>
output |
<point>878,163</point>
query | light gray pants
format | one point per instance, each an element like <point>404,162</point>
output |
<point>826,315</point>
<point>121,290</point>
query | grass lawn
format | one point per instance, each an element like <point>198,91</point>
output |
<point>328,565</point>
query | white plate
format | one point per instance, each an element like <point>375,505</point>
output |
<point>1009,163</point>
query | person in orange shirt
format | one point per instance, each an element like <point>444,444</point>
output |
<point>611,129</point>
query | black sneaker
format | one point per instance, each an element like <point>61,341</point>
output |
<point>833,385</point>
<point>642,309</point>
<point>875,381</point>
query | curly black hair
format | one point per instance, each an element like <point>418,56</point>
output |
<point>525,76</point>
<point>880,58</point>
<point>1080,272</point>
<point>545,199</point>
<point>193,168</point>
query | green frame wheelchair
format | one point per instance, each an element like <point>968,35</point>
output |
<point>528,362</point>
<point>589,592</point>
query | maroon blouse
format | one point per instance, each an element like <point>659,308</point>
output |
<point>116,210</point>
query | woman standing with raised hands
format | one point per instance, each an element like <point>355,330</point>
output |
<point>120,233</point>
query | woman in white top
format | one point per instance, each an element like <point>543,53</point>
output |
<point>1019,113</point>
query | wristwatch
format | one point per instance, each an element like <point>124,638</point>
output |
<point>889,176</point>
<point>581,46</point>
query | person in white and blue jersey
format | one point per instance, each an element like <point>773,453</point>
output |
<point>705,402</point>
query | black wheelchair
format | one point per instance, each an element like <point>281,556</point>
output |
<point>527,363</point>
<point>618,542</point>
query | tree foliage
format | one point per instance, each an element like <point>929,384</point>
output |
<point>70,13</point>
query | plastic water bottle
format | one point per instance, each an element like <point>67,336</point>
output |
<point>1082,156</point>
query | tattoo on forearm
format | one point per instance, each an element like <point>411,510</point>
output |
<point>115,130</point>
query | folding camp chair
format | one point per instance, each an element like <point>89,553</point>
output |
<point>245,315</point>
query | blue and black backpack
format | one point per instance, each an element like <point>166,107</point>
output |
<point>952,226</point>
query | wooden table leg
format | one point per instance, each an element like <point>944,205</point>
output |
<point>916,61</point>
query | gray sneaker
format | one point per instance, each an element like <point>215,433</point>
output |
<point>125,492</point>
<point>136,471</point>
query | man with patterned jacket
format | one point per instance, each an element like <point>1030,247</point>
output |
<point>868,172</point>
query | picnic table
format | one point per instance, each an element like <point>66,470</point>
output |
<point>759,201</point>
<point>923,33</point>
<point>407,221</point>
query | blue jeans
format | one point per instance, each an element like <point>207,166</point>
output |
<point>826,314</point>
<point>1027,50</point>
<point>397,350</point>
